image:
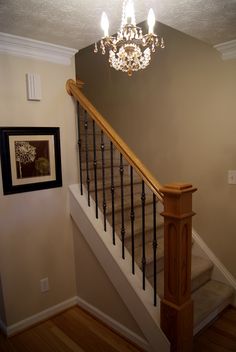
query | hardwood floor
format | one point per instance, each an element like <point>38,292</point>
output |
<point>219,337</point>
<point>76,331</point>
<point>71,331</point>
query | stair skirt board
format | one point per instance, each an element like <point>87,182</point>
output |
<point>129,286</point>
<point>113,324</point>
<point>220,273</point>
<point>39,317</point>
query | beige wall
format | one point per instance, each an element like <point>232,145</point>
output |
<point>36,231</point>
<point>35,228</point>
<point>2,306</point>
<point>179,117</point>
<point>94,286</point>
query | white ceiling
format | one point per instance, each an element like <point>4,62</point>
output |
<point>76,23</point>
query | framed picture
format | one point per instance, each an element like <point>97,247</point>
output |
<point>30,158</point>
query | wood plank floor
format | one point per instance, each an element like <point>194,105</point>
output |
<point>71,331</point>
<point>76,331</point>
<point>220,336</point>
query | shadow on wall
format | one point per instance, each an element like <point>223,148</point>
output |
<point>2,306</point>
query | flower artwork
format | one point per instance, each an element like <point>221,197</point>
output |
<point>32,158</point>
<point>25,154</point>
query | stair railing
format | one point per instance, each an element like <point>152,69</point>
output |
<point>176,305</point>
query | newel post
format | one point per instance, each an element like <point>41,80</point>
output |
<point>177,305</point>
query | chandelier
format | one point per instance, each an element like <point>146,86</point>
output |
<point>129,49</point>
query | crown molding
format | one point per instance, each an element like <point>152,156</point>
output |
<point>35,49</point>
<point>227,49</point>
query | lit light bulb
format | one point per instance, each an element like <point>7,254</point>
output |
<point>129,13</point>
<point>105,24</point>
<point>151,21</point>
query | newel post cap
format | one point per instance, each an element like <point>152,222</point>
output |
<point>177,188</point>
<point>178,200</point>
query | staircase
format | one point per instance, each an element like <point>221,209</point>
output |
<point>132,205</point>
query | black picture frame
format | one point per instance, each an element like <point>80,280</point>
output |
<point>30,158</point>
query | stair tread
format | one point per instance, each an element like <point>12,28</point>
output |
<point>200,264</point>
<point>126,181</point>
<point>89,132</point>
<point>91,149</point>
<point>208,298</point>
<point>149,252</point>
<point>148,225</point>
<point>90,129</point>
<point>116,163</point>
<point>137,203</point>
<point>199,267</point>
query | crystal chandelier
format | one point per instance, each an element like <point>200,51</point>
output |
<point>129,49</point>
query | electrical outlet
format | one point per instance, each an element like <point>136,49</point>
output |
<point>232,177</point>
<point>44,285</point>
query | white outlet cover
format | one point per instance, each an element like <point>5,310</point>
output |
<point>232,177</point>
<point>44,285</point>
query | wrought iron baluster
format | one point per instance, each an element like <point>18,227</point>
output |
<point>112,195</point>
<point>122,206</point>
<point>132,216</point>
<point>80,151</point>
<point>95,169</point>
<point>154,246</point>
<point>87,154</point>
<point>103,182</point>
<point>143,199</point>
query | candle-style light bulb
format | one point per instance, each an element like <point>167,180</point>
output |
<point>129,13</point>
<point>105,24</point>
<point>151,21</point>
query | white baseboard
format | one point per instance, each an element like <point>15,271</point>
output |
<point>37,318</point>
<point>220,272</point>
<point>115,325</point>
<point>48,313</point>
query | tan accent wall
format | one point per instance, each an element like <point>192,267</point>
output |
<point>35,233</point>
<point>178,115</point>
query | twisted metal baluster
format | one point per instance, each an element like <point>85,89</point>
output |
<point>103,182</point>
<point>154,246</point>
<point>95,170</point>
<point>80,151</point>
<point>132,216</point>
<point>87,154</point>
<point>112,194</point>
<point>122,206</point>
<point>143,199</point>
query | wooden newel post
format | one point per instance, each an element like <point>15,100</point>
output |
<point>177,305</point>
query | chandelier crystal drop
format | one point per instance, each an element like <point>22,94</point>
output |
<point>129,49</point>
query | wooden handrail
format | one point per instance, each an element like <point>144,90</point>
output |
<point>73,89</point>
